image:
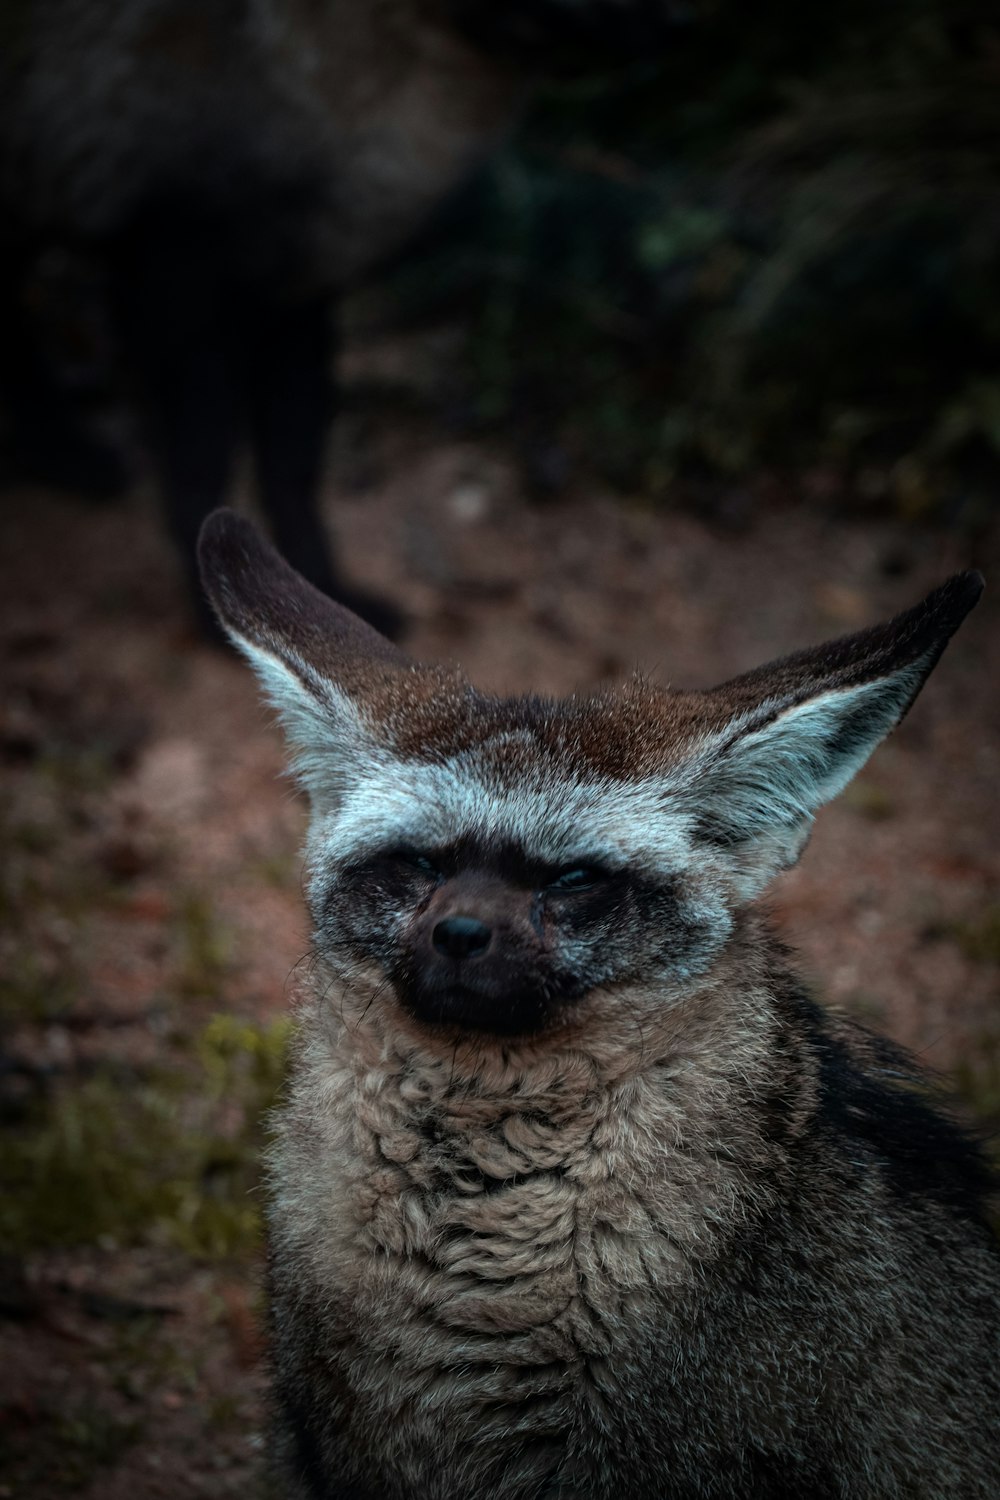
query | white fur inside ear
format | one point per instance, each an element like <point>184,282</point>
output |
<point>758,789</point>
<point>326,732</point>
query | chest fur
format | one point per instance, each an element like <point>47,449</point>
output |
<point>484,1247</point>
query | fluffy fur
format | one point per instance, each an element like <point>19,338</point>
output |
<point>609,1205</point>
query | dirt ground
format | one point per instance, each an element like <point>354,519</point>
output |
<point>151,876</point>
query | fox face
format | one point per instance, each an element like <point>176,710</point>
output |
<point>499,880</point>
<point>507,866</point>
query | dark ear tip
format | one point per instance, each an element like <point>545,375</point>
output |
<point>957,595</point>
<point>973,583</point>
<point>224,532</point>
<point>259,597</point>
<point>969,584</point>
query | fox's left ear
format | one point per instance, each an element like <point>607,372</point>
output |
<point>786,738</point>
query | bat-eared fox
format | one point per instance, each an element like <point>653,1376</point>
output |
<point>576,1193</point>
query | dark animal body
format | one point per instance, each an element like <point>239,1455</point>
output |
<point>576,1192</point>
<point>235,165</point>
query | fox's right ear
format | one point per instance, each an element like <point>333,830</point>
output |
<point>791,734</point>
<point>316,660</point>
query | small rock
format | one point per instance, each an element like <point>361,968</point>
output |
<point>469,502</point>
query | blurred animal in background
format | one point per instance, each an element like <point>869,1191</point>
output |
<point>576,1191</point>
<point>232,166</point>
<point>57,372</point>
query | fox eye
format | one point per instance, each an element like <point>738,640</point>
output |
<point>577,878</point>
<point>417,862</point>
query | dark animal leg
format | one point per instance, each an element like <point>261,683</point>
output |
<point>290,399</point>
<point>199,420</point>
<point>174,335</point>
<point>44,436</point>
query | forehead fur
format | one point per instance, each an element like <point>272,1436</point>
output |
<point>581,778</point>
<point>435,716</point>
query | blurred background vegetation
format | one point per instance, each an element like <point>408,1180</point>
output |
<point>775,247</point>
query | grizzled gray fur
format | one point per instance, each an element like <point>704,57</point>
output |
<point>576,1193</point>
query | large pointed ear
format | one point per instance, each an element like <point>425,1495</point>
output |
<point>786,738</point>
<point>317,661</point>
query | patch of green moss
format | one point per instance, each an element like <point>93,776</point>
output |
<point>30,837</point>
<point>977,1084</point>
<point>223,1412</point>
<point>45,904</point>
<point>280,871</point>
<point>30,990</point>
<point>870,800</point>
<point>138,1355</point>
<point>77,770</point>
<point>205,947</point>
<point>162,1156</point>
<point>979,938</point>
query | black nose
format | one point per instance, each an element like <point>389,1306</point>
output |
<point>461,936</point>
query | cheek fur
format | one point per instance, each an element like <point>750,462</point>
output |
<point>640,929</point>
<point>691,932</point>
<point>361,913</point>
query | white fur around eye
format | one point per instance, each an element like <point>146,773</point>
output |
<point>556,819</point>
